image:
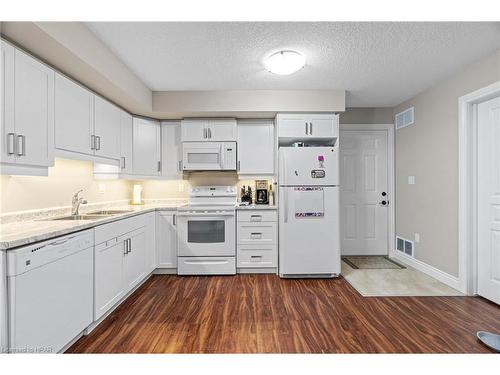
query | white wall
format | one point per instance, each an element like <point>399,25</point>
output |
<point>367,116</point>
<point>428,149</point>
<point>20,193</point>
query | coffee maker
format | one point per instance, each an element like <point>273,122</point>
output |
<point>261,192</point>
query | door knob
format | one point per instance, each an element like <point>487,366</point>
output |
<point>384,193</point>
<point>384,203</point>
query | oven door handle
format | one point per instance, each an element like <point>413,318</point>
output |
<point>205,214</point>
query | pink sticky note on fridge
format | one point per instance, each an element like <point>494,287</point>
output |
<point>321,158</point>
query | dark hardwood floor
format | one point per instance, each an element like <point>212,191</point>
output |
<point>266,314</point>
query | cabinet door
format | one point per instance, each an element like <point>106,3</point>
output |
<point>292,127</point>
<point>34,111</point>
<point>126,147</point>
<point>195,130</point>
<point>171,149</point>
<point>74,117</point>
<point>222,130</point>
<point>166,240</point>
<point>324,127</point>
<point>7,154</point>
<point>151,242</point>
<point>108,277</point>
<point>256,147</point>
<point>134,262</point>
<point>107,123</point>
<point>146,147</point>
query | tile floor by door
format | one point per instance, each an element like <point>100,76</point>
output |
<point>395,282</point>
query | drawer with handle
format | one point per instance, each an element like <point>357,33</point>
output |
<point>250,233</point>
<point>257,256</point>
<point>257,216</point>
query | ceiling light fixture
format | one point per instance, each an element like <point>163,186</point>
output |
<point>285,62</point>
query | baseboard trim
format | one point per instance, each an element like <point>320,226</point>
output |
<point>445,278</point>
<point>165,271</point>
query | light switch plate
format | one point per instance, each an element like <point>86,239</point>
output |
<point>411,180</point>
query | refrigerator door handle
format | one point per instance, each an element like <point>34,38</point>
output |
<point>285,204</point>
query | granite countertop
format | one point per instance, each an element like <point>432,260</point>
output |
<point>257,207</point>
<point>24,232</point>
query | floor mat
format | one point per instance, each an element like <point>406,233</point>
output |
<point>364,262</point>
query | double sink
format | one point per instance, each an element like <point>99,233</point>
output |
<point>95,215</point>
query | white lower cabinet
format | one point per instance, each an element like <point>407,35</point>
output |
<point>166,240</point>
<point>108,274</point>
<point>257,240</point>
<point>120,260</point>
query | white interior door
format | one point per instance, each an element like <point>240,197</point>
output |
<point>488,190</point>
<point>363,183</point>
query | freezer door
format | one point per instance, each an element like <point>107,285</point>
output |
<point>309,241</point>
<point>308,166</point>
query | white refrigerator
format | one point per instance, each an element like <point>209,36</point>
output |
<point>309,243</point>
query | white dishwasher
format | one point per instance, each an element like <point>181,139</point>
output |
<point>50,292</point>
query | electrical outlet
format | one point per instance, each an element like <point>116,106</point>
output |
<point>411,180</point>
<point>102,188</point>
<point>417,237</point>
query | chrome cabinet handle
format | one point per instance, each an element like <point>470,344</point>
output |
<point>125,247</point>
<point>123,162</point>
<point>98,139</point>
<point>21,151</point>
<point>256,236</point>
<point>209,133</point>
<point>204,133</point>
<point>310,128</point>
<point>129,245</point>
<point>256,218</point>
<point>239,165</point>
<point>307,128</point>
<point>92,142</point>
<point>174,219</point>
<point>159,166</point>
<point>179,167</point>
<point>10,144</point>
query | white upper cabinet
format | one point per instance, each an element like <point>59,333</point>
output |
<point>107,123</point>
<point>194,130</point>
<point>74,117</point>
<point>85,123</point>
<point>209,130</point>
<point>307,126</point>
<point>8,129</point>
<point>126,147</point>
<point>146,150</point>
<point>256,147</point>
<point>171,149</point>
<point>28,111</point>
<point>223,130</point>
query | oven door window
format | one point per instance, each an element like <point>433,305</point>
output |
<point>206,231</point>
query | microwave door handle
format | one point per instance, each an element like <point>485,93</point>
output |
<point>221,160</point>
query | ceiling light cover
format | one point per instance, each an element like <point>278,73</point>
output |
<point>285,62</point>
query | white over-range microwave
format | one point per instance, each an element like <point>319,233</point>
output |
<point>209,156</point>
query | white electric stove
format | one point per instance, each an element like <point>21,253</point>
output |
<point>207,232</point>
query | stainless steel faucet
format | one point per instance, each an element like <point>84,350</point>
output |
<point>76,202</point>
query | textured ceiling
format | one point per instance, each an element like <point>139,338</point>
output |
<point>379,64</point>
